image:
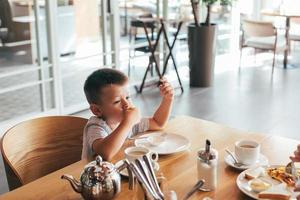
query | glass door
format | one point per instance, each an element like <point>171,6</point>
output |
<point>86,42</point>
<point>26,68</point>
<point>47,49</point>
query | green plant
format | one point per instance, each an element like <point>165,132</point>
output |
<point>208,4</point>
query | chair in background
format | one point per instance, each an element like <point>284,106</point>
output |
<point>15,31</point>
<point>37,147</point>
<point>261,35</point>
<point>138,39</point>
<point>294,34</point>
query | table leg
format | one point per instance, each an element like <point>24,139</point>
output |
<point>144,79</point>
<point>152,51</point>
<point>153,48</point>
<point>170,52</point>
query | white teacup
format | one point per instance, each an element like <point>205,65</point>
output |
<point>132,153</point>
<point>247,151</point>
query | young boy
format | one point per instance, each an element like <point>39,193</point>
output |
<point>115,117</point>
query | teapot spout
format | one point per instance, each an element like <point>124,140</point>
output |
<point>74,183</point>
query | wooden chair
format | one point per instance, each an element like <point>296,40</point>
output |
<point>261,35</point>
<point>294,34</point>
<point>37,147</point>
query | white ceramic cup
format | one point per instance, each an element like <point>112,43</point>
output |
<point>247,151</point>
<point>132,153</point>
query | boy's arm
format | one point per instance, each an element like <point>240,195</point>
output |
<point>109,146</point>
<point>161,115</point>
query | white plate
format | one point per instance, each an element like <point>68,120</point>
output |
<point>262,161</point>
<point>172,143</point>
<point>243,185</point>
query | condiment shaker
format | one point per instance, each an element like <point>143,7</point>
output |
<point>207,166</point>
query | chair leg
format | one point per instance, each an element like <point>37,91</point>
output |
<point>128,72</point>
<point>241,51</point>
<point>129,63</point>
<point>255,55</point>
<point>273,64</point>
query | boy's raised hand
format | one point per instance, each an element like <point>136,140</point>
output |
<point>166,90</point>
<point>131,113</point>
<point>296,157</point>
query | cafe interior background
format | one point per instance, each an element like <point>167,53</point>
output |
<point>45,62</point>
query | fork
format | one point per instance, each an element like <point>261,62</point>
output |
<point>236,162</point>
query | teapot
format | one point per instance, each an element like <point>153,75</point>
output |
<point>98,180</point>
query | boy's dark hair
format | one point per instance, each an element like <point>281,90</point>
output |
<point>99,79</point>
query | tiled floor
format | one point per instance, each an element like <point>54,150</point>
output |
<point>248,99</point>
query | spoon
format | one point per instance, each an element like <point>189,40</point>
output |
<point>236,162</point>
<point>197,186</point>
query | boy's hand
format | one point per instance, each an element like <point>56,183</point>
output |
<point>166,90</point>
<point>297,189</point>
<point>296,157</point>
<point>131,113</point>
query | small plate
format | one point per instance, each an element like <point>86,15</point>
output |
<point>172,143</point>
<point>262,161</point>
<point>124,172</point>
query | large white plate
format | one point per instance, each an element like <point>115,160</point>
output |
<point>172,143</point>
<point>242,184</point>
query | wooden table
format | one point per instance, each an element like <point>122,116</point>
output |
<point>180,169</point>
<point>288,15</point>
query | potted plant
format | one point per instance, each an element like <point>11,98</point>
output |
<point>202,41</point>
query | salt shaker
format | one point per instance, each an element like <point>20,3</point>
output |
<point>207,166</point>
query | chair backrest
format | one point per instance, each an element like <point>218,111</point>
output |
<point>37,147</point>
<point>137,24</point>
<point>295,20</point>
<point>258,28</point>
<point>5,14</point>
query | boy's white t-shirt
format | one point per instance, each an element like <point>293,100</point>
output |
<point>97,128</point>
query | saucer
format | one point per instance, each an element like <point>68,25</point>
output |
<point>262,161</point>
<point>124,172</point>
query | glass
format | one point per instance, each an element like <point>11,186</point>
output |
<point>80,37</point>
<point>21,81</point>
<point>164,186</point>
<point>20,102</point>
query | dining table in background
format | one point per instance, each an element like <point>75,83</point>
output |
<point>287,15</point>
<point>179,169</point>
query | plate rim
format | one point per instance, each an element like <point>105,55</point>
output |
<point>187,145</point>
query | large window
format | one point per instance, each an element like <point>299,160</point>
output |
<point>26,75</point>
<point>47,49</point>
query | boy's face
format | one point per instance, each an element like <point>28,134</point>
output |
<point>112,100</point>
